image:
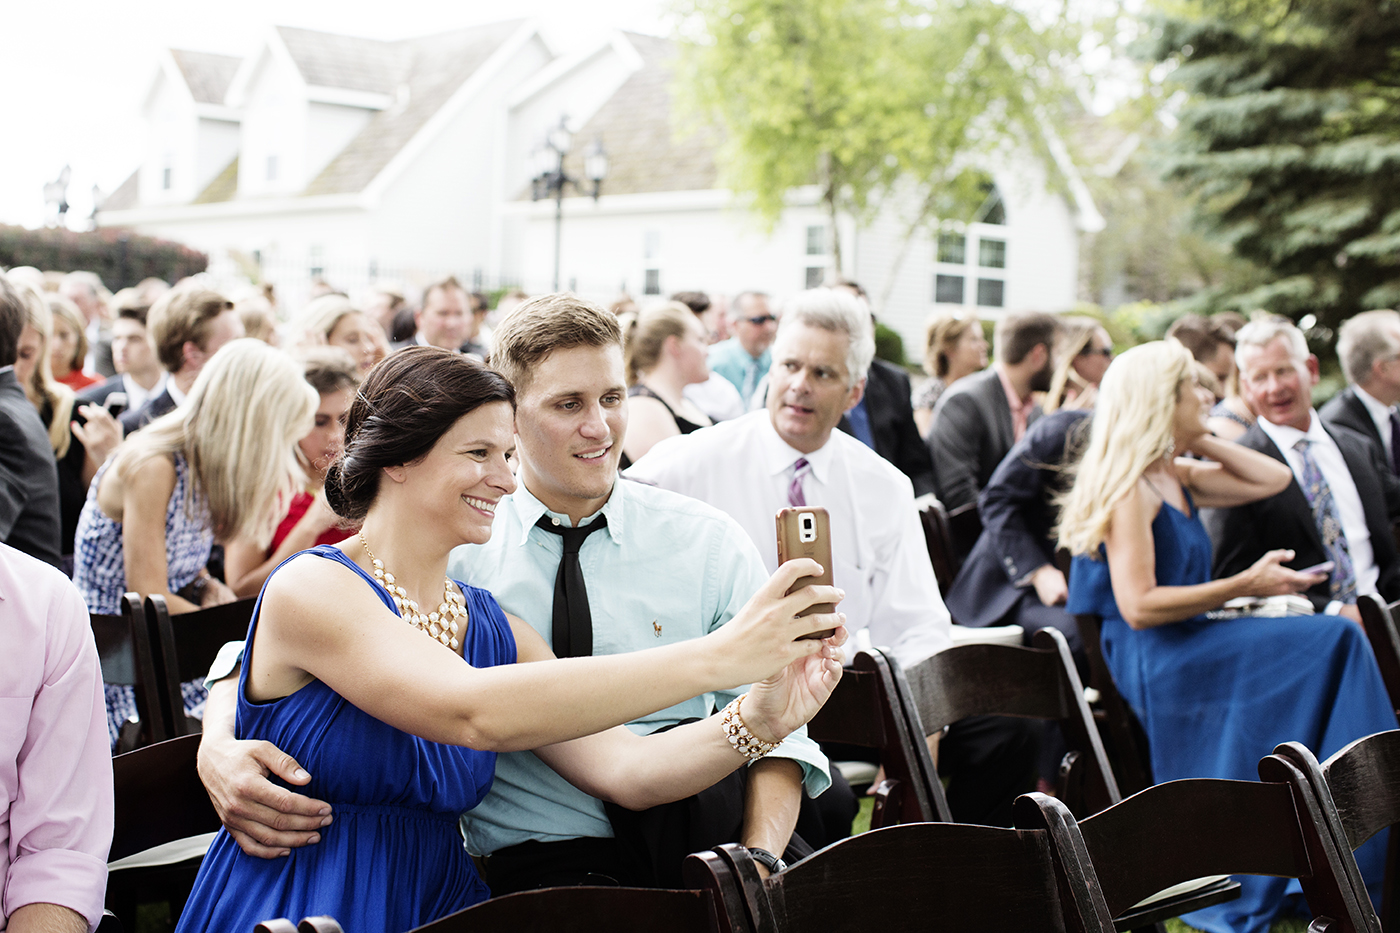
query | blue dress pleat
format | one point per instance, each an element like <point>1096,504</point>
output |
<point>1216,696</point>
<point>393,858</point>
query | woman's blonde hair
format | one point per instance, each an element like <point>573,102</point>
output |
<point>238,431</point>
<point>644,335</point>
<point>941,336</point>
<point>1076,333</point>
<point>61,307</point>
<point>42,389</point>
<point>1131,428</point>
<point>320,316</point>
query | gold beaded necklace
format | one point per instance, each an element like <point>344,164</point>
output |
<point>441,625</point>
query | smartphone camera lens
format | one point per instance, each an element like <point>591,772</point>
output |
<point>807,527</point>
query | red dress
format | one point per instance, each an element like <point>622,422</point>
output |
<point>300,503</point>
<point>77,380</point>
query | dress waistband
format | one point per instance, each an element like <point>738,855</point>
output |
<point>402,813</point>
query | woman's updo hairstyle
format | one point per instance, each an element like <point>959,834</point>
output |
<point>405,405</point>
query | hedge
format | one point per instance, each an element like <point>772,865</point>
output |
<point>121,257</point>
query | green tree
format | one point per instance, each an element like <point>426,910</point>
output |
<point>1290,145</point>
<point>873,101</point>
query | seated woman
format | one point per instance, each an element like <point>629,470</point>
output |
<point>665,348</point>
<point>332,320</point>
<point>1083,350</point>
<point>953,347</point>
<point>308,521</point>
<point>213,469</point>
<point>400,735</point>
<point>1214,695</point>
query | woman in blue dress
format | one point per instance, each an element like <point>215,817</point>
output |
<point>1213,696</point>
<point>355,666</point>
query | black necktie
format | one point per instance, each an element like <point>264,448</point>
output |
<point>1395,443</point>
<point>573,622</point>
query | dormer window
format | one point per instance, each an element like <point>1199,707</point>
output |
<point>272,168</point>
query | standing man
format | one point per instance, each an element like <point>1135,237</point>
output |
<point>655,568</point>
<point>29,511</point>
<point>444,320</point>
<point>139,374</point>
<point>792,455</point>
<point>1343,497</point>
<point>981,416</point>
<point>744,358</point>
<point>1369,350</point>
<point>188,326</point>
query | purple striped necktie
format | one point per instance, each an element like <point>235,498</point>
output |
<point>799,469</point>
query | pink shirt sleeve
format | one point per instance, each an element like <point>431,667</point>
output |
<point>55,767</point>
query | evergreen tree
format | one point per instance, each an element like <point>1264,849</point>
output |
<point>1290,145</point>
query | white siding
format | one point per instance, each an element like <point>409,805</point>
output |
<point>275,117</point>
<point>329,129</point>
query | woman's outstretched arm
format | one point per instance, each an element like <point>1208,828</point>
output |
<point>1234,475</point>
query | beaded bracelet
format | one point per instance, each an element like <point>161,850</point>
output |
<point>744,741</point>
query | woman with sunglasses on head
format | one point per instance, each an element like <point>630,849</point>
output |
<point>1083,351</point>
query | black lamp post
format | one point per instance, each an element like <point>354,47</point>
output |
<point>549,178</point>
<point>56,194</point>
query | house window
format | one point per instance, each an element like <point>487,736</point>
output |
<point>948,289</point>
<point>316,263</point>
<point>653,284</point>
<point>991,254</point>
<point>272,168</point>
<point>952,248</point>
<point>816,242</point>
<point>990,292</point>
<point>815,276</point>
<point>165,178</point>
<point>651,244</point>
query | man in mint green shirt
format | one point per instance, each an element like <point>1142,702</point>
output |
<point>744,359</point>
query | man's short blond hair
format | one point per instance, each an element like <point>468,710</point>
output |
<point>180,316</point>
<point>539,326</point>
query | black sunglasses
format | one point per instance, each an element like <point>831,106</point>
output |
<point>1105,352</point>
<point>760,321</point>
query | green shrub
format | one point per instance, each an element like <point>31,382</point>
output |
<point>121,257</point>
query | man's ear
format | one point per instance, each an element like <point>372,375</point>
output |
<point>857,393</point>
<point>1314,370</point>
<point>193,355</point>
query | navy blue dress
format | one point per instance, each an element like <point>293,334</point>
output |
<point>1216,696</point>
<point>393,858</point>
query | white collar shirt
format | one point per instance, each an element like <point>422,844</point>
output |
<point>176,395</point>
<point>1380,414</point>
<point>879,556</point>
<point>1338,476</point>
<point>137,396</point>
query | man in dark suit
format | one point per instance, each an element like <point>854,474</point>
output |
<point>29,514</point>
<point>1010,578</point>
<point>889,426</point>
<point>980,417</point>
<point>1369,349</point>
<point>188,326</point>
<point>139,374</point>
<point>1343,498</point>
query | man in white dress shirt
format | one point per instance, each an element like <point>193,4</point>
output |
<point>791,454</point>
<point>1368,347</point>
<point>1343,498</point>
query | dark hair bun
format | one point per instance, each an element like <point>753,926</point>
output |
<point>335,494</point>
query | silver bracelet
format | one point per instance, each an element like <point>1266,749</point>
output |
<point>744,741</point>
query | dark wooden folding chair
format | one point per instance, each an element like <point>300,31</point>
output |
<point>865,710</point>
<point>964,526</point>
<point>124,649</point>
<point>938,537</point>
<point>1358,793</point>
<point>915,877</point>
<point>159,800</point>
<point>189,642</point>
<point>1038,683</point>
<point>1187,832</point>
<point>586,910</point>
<point>1378,619</point>
<point>1123,736</point>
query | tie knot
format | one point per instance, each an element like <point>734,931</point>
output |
<point>1302,445</point>
<point>573,537</point>
<point>801,466</point>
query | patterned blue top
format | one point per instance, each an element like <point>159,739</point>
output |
<point>98,567</point>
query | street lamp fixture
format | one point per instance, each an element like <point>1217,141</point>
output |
<point>549,179</point>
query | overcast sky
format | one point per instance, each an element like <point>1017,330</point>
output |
<point>78,70</point>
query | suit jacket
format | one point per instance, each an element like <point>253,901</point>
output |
<point>892,426</point>
<point>29,514</point>
<point>1243,534</point>
<point>1018,519</point>
<point>972,432</point>
<point>97,395</point>
<point>153,409</point>
<point>1348,411</point>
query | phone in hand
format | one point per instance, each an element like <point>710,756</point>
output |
<point>806,532</point>
<point>1326,566</point>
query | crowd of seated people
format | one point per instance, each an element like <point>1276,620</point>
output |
<point>351,478</point>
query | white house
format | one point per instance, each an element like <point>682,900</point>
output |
<point>361,160</point>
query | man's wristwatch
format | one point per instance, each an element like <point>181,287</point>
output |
<point>767,859</point>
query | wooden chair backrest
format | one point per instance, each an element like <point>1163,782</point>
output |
<point>586,910</point>
<point>964,526</point>
<point>124,649</point>
<point>1120,728</point>
<point>189,642</point>
<point>867,710</point>
<point>1007,680</point>
<point>1378,619</point>
<point>938,538</point>
<point>159,797</point>
<point>916,877</point>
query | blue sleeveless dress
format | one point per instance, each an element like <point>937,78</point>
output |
<point>393,858</point>
<point>1216,696</point>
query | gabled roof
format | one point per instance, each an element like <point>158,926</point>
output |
<point>429,71</point>
<point>206,75</point>
<point>644,152</point>
<point>328,60</point>
<point>223,187</point>
<point>125,196</point>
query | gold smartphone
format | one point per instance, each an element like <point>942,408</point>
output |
<point>806,532</point>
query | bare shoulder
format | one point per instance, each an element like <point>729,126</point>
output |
<point>147,485</point>
<point>312,597</point>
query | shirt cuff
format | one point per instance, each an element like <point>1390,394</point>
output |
<point>76,880</point>
<point>816,770</point>
<point>1334,608</point>
<point>230,656</point>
